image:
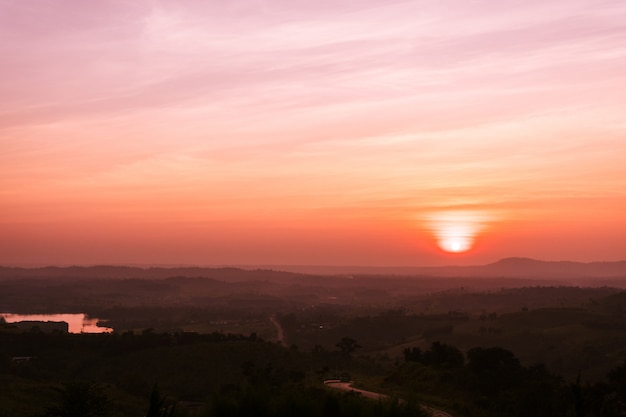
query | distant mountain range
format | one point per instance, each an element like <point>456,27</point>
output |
<point>532,268</point>
<point>504,268</point>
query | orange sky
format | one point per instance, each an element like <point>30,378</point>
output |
<point>337,133</point>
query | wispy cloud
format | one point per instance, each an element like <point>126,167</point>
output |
<point>379,109</point>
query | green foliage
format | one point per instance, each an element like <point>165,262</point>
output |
<point>439,354</point>
<point>493,370</point>
<point>157,406</point>
<point>609,398</point>
<point>305,402</point>
<point>21,396</point>
<point>243,375</point>
<point>82,399</point>
<point>348,345</point>
<point>494,383</point>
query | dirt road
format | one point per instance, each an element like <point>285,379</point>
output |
<point>347,386</point>
<point>279,330</point>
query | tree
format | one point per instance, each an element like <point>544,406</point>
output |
<point>441,354</point>
<point>348,345</point>
<point>157,407</point>
<point>492,360</point>
<point>413,354</point>
<point>493,369</point>
<point>615,402</point>
<point>81,399</point>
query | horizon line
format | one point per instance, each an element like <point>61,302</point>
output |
<point>270,266</point>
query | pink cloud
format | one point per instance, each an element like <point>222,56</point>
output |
<point>270,112</point>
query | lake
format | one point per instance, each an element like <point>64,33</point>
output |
<point>78,323</point>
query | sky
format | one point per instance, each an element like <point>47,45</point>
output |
<point>267,132</point>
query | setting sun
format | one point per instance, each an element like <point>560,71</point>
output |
<point>456,245</point>
<point>456,230</point>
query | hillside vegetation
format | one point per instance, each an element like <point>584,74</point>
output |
<point>265,341</point>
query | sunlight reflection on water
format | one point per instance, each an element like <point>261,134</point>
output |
<point>78,323</point>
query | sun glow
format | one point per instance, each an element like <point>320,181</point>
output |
<point>456,230</point>
<point>456,245</point>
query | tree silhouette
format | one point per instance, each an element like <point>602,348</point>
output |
<point>441,354</point>
<point>494,370</point>
<point>157,407</point>
<point>81,399</point>
<point>347,345</point>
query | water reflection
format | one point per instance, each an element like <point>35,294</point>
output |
<point>78,323</point>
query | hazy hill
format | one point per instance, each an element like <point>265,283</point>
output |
<point>127,272</point>
<point>514,267</point>
<point>601,273</point>
<point>532,268</point>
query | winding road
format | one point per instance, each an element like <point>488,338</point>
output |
<point>279,330</point>
<point>347,386</point>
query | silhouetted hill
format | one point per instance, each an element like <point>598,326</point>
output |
<point>514,267</point>
<point>127,272</point>
<point>524,268</point>
<point>535,269</point>
<point>532,268</point>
